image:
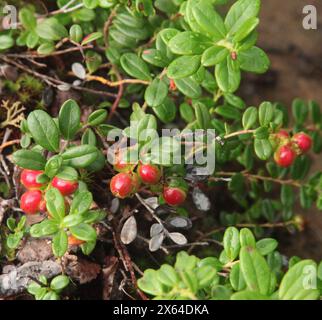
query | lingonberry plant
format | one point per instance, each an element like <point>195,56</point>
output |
<point>174,139</point>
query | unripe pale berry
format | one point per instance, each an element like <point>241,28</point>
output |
<point>65,187</point>
<point>30,201</point>
<point>29,179</point>
<point>284,156</point>
<point>124,184</point>
<point>303,141</point>
<point>174,196</point>
<point>149,173</point>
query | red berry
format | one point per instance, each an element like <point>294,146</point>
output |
<point>284,156</point>
<point>30,201</point>
<point>124,184</point>
<point>149,173</point>
<point>303,141</point>
<point>282,134</point>
<point>174,196</point>
<point>29,179</point>
<point>65,187</point>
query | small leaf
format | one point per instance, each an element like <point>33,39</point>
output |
<point>69,119</point>
<point>29,159</point>
<point>156,93</point>
<point>178,238</point>
<point>156,242</point>
<point>84,232</point>
<point>249,118</point>
<point>80,156</point>
<point>135,66</point>
<point>231,243</point>
<point>97,117</point>
<point>79,70</point>
<point>129,230</point>
<point>183,67</point>
<point>43,130</point>
<point>60,243</point>
<point>60,282</point>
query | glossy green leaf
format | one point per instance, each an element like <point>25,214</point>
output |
<point>156,93</point>
<point>43,130</point>
<point>254,60</point>
<point>60,243</point>
<point>55,203</point>
<point>228,75</point>
<point>135,66</point>
<point>80,156</point>
<point>51,29</point>
<point>263,148</point>
<point>29,159</point>
<point>84,232</point>
<point>231,243</point>
<point>183,67</point>
<point>69,119</point>
<point>214,55</point>
<point>249,118</point>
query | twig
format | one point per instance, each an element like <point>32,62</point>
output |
<point>259,177</point>
<point>119,95</point>
<point>115,83</point>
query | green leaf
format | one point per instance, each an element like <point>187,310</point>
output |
<point>231,243</point>
<point>76,33</point>
<point>155,57</point>
<point>249,118</point>
<point>202,115</point>
<point>59,283</point>
<point>80,156</point>
<point>247,238</point>
<point>228,112</point>
<point>166,112</point>
<point>254,60</point>
<point>236,278</point>
<point>60,243</point>
<point>315,112</point>
<point>89,137</point>
<point>6,42</point>
<point>208,20</point>
<point>240,12</point>
<point>97,117</point>
<point>135,66</point>
<point>189,87</point>
<point>27,18</point>
<point>69,119</point>
<point>265,113</point>
<point>67,173</point>
<point>51,29</point>
<point>266,246</point>
<point>156,93</point>
<point>84,232</point>
<point>91,37</point>
<point>81,203</point>
<point>190,280</point>
<point>150,283</point>
<point>46,48</point>
<point>53,165</point>
<point>300,111</point>
<point>287,195</point>
<point>248,26</point>
<point>45,228</point>
<point>227,75</point>
<point>43,130</point>
<point>207,276</point>
<point>29,159</point>
<point>255,270</point>
<point>167,275</point>
<point>55,204</point>
<point>263,148</point>
<point>214,55</point>
<point>299,283</point>
<point>90,4</point>
<point>188,43</point>
<point>13,239</point>
<point>93,61</point>
<point>248,295</point>
<point>183,67</point>
<point>187,112</point>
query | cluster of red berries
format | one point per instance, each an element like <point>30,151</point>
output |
<point>290,147</point>
<point>127,182</point>
<point>32,201</point>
